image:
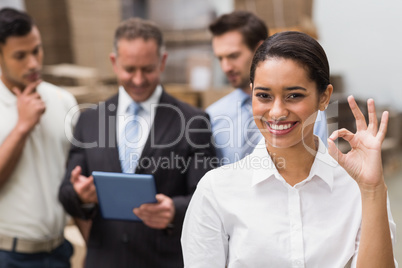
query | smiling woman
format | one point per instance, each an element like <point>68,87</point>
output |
<point>290,82</point>
<point>310,207</point>
<point>284,99</point>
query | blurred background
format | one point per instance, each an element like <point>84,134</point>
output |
<point>362,40</point>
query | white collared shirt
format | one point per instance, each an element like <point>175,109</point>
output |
<point>246,215</point>
<point>145,117</point>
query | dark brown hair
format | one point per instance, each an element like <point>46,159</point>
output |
<point>252,28</point>
<point>298,47</point>
<point>14,23</point>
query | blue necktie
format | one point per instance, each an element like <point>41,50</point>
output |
<point>128,140</point>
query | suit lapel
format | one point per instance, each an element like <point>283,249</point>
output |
<point>162,125</point>
<point>112,153</point>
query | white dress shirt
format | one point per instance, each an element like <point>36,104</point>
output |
<point>246,215</point>
<point>145,116</point>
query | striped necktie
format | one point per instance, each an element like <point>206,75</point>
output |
<point>129,138</point>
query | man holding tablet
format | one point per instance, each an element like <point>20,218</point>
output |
<point>141,130</point>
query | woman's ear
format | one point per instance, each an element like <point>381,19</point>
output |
<point>325,97</point>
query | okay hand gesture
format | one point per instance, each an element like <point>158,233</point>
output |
<point>363,162</point>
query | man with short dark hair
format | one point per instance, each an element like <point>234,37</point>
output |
<point>173,142</point>
<point>33,150</point>
<point>235,38</point>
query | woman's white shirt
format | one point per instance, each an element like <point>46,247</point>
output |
<point>246,215</point>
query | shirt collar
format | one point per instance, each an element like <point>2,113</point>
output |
<point>243,97</point>
<point>10,99</point>
<point>265,168</point>
<point>125,100</point>
<point>322,167</point>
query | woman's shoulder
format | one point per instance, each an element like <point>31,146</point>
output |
<point>227,177</point>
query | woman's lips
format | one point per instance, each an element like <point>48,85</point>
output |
<point>280,128</point>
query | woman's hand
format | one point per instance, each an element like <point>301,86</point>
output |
<point>363,162</point>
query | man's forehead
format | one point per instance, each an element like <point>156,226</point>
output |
<point>229,42</point>
<point>138,47</point>
<point>226,49</point>
<point>138,40</point>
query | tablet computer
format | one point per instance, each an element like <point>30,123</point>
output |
<point>119,193</point>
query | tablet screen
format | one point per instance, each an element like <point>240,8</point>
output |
<point>119,193</point>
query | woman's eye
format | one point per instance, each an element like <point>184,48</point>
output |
<point>263,95</point>
<point>295,96</point>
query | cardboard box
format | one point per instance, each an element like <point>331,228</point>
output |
<point>70,75</point>
<point>200,99</point>
<point>212,95</point>
<point>183,93</point>
<point>199,71</point>
<point>92,32</point>
<point>89,95</point>
<point>52,21</point>
<point>180,14</point>
<point>182,59</point>
<point>282,15</point>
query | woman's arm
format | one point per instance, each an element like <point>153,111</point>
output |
<point>363,163</point>
<point>204,241</point>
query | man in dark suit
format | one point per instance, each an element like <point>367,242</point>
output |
<point>173,143</point>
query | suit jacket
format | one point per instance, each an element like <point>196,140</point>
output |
<point>173,136</point>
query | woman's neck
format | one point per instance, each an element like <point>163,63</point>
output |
<point>294,163</point>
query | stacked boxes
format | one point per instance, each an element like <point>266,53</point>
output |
<point>52,21</point>
<point>92,29</point>
<point>82,82</point>
<point>180,14</point>
<point>282,14</point>
<point>71,75</point>
<point>184,25</point>
<point>200,99</point>
<point>77,31</point>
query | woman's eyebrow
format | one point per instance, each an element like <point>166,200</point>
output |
<point>263,88</point>
<point>287,88</point>
<point>296,88</point>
